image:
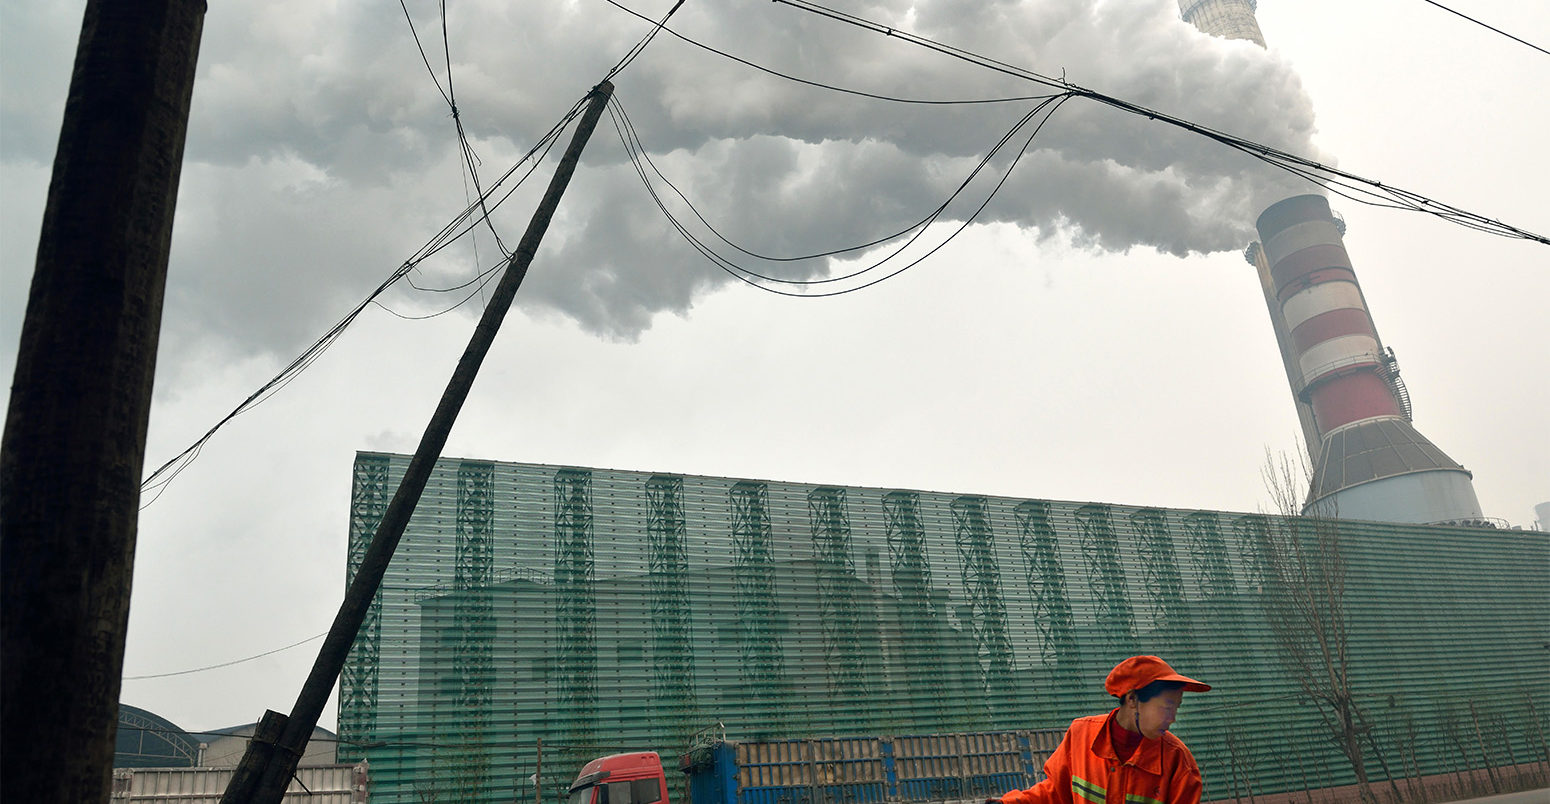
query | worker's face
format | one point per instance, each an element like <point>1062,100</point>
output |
<point>1157,714</point>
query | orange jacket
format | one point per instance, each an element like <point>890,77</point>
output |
<point>1086,770</point>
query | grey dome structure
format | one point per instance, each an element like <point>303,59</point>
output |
<point>148,740</point>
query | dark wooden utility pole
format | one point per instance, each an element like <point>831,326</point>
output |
<point>267,767</point>
<point>74,442</point>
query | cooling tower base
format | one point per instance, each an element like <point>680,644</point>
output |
<point>1384,470</point>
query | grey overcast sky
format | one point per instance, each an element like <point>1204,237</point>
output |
<point>1097,337</point>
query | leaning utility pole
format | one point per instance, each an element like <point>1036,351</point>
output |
<point>74,442</point>
<point>278,743</point>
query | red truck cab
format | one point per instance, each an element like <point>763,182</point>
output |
<point>634,778</point>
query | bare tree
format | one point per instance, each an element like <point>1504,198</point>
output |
<point>1453,745</point>
<point>1303,576</point>
<point>1287,478</point>
<point>1536,728</point>
<point>1497,721</point>
<point>1379,754</point>
<point>1485,754</point>
<point>1406,735</point>
<point>1241,765</point>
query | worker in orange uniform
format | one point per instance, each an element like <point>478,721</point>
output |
<point>1127,755</point>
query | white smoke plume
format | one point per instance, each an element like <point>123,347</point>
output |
<point>321,154</point>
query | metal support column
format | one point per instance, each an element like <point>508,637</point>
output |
<point>672,687</point>
<point>1106,582</point>
<point>982,582</point>
<point>763,655</point>
<point>575,614</point>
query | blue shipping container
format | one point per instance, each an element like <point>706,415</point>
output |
<point>868,770</point>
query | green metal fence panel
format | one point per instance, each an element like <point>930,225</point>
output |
<point>600,610</point>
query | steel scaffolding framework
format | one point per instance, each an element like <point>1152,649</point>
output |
<point>845,656</point>
<point>975,540</point>
<point>575,602</point>
<point>472,661</point>
<point>1164,584</point>
<point>1251,531</point>
<point>1209,558</point>
<point>920,624</point>
<point>1106,581</point>
<point>1052,614</point>
<point>369,497</point>
<point>1222,636</point>
<point>671,648</point>
<point>763,668</point>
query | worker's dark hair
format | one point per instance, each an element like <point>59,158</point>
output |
<point>1154,689</point>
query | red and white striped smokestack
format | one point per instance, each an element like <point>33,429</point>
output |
<point>1370,463</point>
<point>1332,335</point>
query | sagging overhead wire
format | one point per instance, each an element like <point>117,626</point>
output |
<point>469,160</point>
<point>1343,183</point>
<point>227,664</point>
<point>640,46</point>
<point>454,230</point>
<point>1488,27</point>
<point>641,161</point>
<point>634,146</point>
<point>488,274</point>
<point>421,47</point>
<point>460,225</point>
<point>818,84</point>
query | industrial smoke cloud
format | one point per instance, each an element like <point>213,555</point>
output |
<point>321,154</point>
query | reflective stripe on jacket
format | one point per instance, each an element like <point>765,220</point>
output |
<point>1086,770</point>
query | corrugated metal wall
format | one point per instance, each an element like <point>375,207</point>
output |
<point>602,610</point>
<point>316,784</point>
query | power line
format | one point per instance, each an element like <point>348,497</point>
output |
<point>637,155</point>
<point>635,148</point>
<point>158,480</point>
<point>454,230</point>
<point>1343,183</point>
<point>1488,27</point>
<point>640,46</point>
<point>469,161</point>
<point>423,56</point>
<point>820,85</point>
<point>230,663</point>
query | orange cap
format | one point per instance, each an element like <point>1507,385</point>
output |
<point>1139,671</point>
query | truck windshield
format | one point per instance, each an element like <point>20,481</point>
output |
<point>638,791</point>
